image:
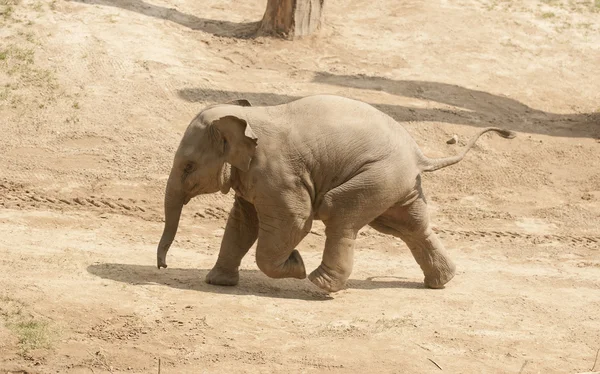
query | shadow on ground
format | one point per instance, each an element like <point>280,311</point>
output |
<point>473,108</point>
<point>252,282</point>
<point>215,27</point>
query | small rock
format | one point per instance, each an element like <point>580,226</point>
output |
<point>452,140</point>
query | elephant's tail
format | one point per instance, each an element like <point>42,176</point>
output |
<point>428,164</point>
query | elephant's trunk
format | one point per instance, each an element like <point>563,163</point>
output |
<point>174,200</point>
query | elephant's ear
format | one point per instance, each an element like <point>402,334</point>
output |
<point>240,141</point>
<point>240,102</point>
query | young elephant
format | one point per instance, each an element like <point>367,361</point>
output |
<point>321,157</point>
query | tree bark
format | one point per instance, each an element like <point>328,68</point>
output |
<point>291,19</point>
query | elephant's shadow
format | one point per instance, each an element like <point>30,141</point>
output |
<point>252,282</point>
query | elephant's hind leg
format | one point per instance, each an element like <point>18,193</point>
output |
<point>411,224</point>
<point>345,210</point>
<point>337,261</point>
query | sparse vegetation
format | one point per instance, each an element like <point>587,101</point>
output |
<point>7,11</point>
<point>31,332</point>
<point>547,15</point>
<point>72,119</point>
<point>18,62</point>
<point>18,55</point>
<point>7,8</point>
<point>29,37</point>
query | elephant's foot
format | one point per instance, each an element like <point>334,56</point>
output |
<point>326,280</point>
<point>220,277</point>
<point>442,273</point>
<point>293,267</point>
<point>296,265</point>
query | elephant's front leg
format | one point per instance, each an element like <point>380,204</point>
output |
<point>240,234</point>
<point>284,221</point>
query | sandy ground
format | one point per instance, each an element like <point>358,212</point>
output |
<point>95,95</point>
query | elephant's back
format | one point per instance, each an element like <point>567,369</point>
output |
<point>337,137</point>
<point>342,122</point>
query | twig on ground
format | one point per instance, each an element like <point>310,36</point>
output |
<point>523,367</point>
<point>435,363</point>
<point>596,360</point>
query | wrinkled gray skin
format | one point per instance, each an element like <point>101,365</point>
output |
<point>321,157</point>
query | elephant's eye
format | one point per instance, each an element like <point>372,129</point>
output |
<point>188,168</point>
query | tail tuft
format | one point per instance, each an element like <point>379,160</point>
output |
<point>506,133</point>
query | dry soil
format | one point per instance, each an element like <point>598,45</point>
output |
<point>95,95</point>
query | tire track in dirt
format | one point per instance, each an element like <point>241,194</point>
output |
<point>17,196</point>
<point>589,241</point>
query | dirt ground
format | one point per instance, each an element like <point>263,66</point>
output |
<point>95,95</point>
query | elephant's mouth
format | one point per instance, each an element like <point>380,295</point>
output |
<point>195,191</point>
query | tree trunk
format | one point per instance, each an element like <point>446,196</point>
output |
<point>291,19</point>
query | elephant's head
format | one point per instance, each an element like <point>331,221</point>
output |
<point>218,139</point>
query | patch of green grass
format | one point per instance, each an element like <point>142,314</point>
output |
<point>547,15</point>
<point>32,334</point>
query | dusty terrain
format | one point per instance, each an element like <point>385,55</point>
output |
<point>95,95</point>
